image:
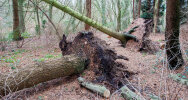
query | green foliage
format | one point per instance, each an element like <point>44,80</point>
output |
<point>147,15</point>
<point>26,35</point>
<point>19,51</point>
<point>49,56</point>
<point>37,29</point>
<point>9,60</point>
<point>44,23</point>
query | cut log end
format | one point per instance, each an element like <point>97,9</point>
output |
<point>107,94</point>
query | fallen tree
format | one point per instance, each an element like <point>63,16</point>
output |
<point>144,42</point>
<point>102,58</point>
<point>141,39</point>
<point>120,36</point>
<point>39,72</point>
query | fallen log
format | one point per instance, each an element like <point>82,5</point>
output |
<point>39,72</point>
<point>120,36</point>
<point>175,77</point>
<point>128,94</point>
<point>101,90</point>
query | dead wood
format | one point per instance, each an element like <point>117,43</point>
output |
<point>99,89</point>
<point>39,72</point>
<point>143,42</point>
<point>102,58</point>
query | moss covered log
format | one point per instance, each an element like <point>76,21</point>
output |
<point>39,72</point>
<point>120,36</point>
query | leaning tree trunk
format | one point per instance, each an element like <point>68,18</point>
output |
<point>40,72</point>
<point>174,55</point>
<point>117,35</point>
<point>16,29</point>
<point>88,8</point>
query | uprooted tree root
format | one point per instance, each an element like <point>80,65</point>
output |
<point>142,34</point>
<point>102,58</point>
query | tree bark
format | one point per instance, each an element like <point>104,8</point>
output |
<point>133,11</point>
<point>21,15</point>
<point>99,89</point>
<point>103,14</point>
<point>129,95</point>
<point>139,8</point>
<point>16,29</point>
<point>117,35</point>
<point>174,55</point>
<point>50,11</point>
<point>38,28</point>
<point>156,16</point>
<point>148,5</point>
<point>40,72</point>
<point>88,8</point>
<point>119,15</point>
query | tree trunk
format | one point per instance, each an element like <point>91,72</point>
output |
<point>174,55</point>
<point>38,19</point>
<point>154,6</point>
<point>21,16</point>
<point>156,16</point>
<point>103,2</point>
<point>34,74</point>
<point>119,15</point>
<point>117,35</point>
<point>148,5</point>
<point>133,11</point>
<point>50,11</point>
<point>16,29</point>
<point>139,8</point>
<point>88,8</point>
<point>80,6</point>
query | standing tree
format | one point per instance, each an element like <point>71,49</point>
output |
<point>50,11</point>
<point>37,28</point>
<point>103,3</point>
<point>156,15</point>
<point>88,8</point>
<point>133,10</point>
<point>119,15</point>
<point>16,29</point>
<point>174,55</point>
<point>139,7</point>
<point>148,5</point>
<point>21,15</point>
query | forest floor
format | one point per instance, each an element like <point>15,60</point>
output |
<point>151,77</point>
